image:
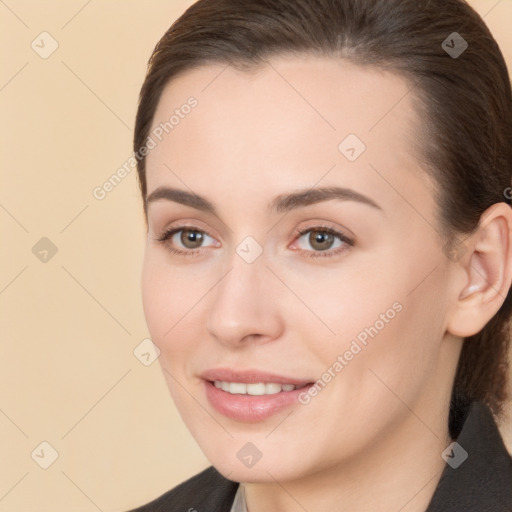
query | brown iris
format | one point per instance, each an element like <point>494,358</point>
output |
<point>321,240</point>
<point>190,236</point>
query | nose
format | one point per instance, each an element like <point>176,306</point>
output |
<point>245,305</point>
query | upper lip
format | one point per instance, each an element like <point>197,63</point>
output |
<point>250,376</point>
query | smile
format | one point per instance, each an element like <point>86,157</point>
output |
<point>255,389</point>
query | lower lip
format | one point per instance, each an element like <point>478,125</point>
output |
<point>251,408</point>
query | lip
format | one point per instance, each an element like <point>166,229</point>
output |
<point>250,377</point>
<point>250,408</point>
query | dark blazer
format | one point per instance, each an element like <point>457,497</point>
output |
<point>482,483</point>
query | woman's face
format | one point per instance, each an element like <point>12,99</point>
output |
<point>305,247</point>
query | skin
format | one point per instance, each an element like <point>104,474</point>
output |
<point>372,438</point>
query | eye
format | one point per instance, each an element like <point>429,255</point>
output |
<point>189,241</point>
<point>324,241</point>
<point>185,240</point>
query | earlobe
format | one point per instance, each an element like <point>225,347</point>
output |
<point>488,273</point>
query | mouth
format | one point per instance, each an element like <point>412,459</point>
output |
<point>255,388</point>
<point>226,376</point>
<point>255,401</point>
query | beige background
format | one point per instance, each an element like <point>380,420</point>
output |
<point>68,374</point>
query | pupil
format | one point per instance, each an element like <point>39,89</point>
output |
<point>192,237</point>
<point>321,239</point>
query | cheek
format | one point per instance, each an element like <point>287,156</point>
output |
<point>155,299</point>
<point>340,304</point>
<point>391,347</point>
<point>172,300</point>
<point>380,320</point>
<point>165,297</point>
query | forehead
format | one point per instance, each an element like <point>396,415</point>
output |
<point>287,123</point>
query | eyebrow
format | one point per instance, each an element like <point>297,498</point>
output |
<point>282,203</point>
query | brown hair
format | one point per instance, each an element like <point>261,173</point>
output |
<point>465,102</point>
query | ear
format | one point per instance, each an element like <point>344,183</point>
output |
<point>487,269</point>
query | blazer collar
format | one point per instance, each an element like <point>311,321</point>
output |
<point>478,473</point>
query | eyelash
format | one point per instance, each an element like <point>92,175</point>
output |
<point>298,234</point>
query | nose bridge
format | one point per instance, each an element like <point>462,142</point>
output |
<point>240,304</point>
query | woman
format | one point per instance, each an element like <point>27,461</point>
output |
<point>328,260</point>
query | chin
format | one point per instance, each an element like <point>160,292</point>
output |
<point>257,474</point>
<point>235,465</point>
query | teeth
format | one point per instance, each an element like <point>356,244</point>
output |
<point>256,389</point>
<point>236,387</point>
<point>272,388</point>
<point>253,389</point>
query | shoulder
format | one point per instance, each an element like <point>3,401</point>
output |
<point>207,491</point>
